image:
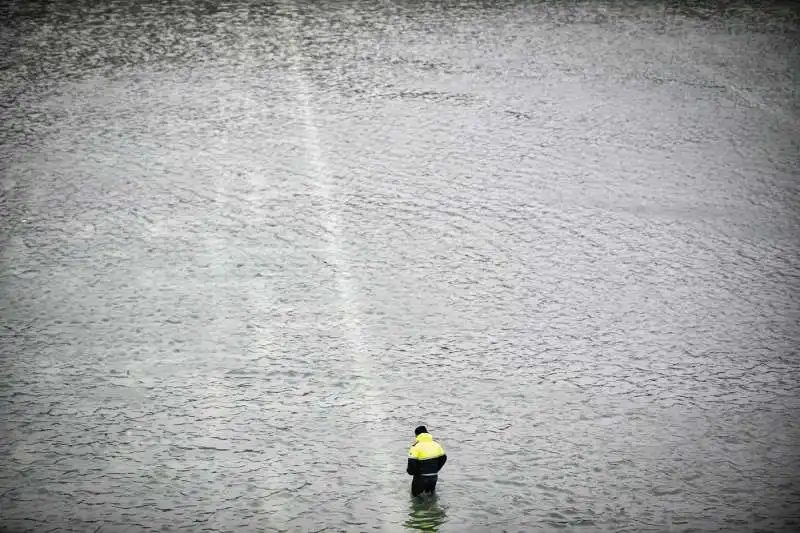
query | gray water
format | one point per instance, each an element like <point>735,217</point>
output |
<point>248,246</point>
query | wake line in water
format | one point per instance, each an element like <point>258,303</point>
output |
<point>331,221</point>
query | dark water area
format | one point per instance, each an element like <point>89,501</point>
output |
<point>246,247</point>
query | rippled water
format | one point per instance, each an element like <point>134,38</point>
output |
<point>248,246</point>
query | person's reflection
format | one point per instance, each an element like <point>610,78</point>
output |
<point>425,514</point>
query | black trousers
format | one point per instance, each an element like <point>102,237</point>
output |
<point>423,484</point>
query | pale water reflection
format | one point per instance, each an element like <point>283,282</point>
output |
<point>426,514</point>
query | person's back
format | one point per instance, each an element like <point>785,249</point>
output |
<point>425,458</point>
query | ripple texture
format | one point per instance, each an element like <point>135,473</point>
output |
<point>246,247</point>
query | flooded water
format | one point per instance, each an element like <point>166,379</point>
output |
<point>248,246</point>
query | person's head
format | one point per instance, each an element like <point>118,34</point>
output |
<point>420,429</point>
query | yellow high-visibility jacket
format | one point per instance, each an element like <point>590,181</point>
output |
<point>426,457</point>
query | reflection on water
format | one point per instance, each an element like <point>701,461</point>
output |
<point>425,514</point>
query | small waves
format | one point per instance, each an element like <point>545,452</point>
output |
<point>247,248</point>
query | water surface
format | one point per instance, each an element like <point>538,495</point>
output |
<point>248,246</point>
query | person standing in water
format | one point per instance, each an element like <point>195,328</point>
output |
<point>425,458</point>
